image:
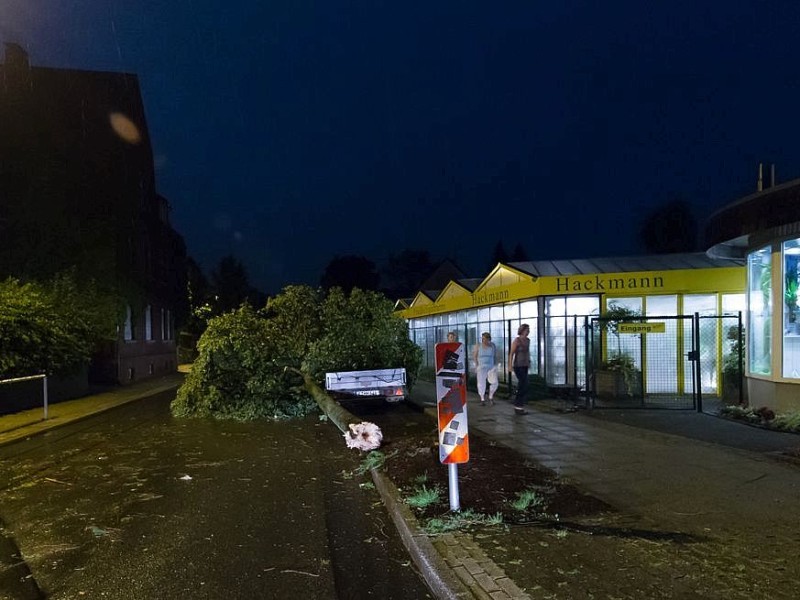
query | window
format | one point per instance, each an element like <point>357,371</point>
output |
<point>759,316</point>
<point>129,328</point>
<point>148,323</point>
<point>163,326</point>
<point>791,318</point>
<point>169,326</point>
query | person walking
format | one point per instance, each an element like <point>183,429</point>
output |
<point>519,361</point>
<point>484,356</point>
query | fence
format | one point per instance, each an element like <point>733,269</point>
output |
<point>670,361</point>
<point>7,409</point>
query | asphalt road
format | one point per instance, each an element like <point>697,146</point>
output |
<point>134,504</point>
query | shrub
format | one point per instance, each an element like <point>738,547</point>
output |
<point>52,327</point>
<point>787,422</point>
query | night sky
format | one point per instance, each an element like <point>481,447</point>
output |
<point>286,133</point>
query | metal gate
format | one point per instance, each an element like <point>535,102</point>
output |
<point>672,362</point>
<point>643,362</point>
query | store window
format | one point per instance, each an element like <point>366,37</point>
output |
<point>791,311</point>
<point>759,316</point>
<point>705,305</point>
<point>662,349</point>
<point>528,309</point>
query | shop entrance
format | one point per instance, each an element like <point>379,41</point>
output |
<point>672,362</point>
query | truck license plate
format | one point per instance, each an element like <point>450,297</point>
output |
<point>367,393</point>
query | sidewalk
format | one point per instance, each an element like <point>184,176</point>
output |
<point>31,422</point>
<point>615,454</point>
<point>678,471</point>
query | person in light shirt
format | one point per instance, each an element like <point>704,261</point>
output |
<point>484,356</point>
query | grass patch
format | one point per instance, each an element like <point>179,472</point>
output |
<point>424,496</point>
<point>420,479</point>
<point>527,500</point>
<point>459,521</point>
<point>373,460</point>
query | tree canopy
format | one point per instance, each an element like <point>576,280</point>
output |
<point>53,327</point>
<point>249,359</point>
<point>350,271</point>
<point>404,272</point>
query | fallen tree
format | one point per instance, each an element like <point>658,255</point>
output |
<point>270,363</point>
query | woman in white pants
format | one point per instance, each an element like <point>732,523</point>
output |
<point>485,358</point>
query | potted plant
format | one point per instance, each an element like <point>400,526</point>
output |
<point>618,377</point>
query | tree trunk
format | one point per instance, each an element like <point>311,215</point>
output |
<point>357,434</point>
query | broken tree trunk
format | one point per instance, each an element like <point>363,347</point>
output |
<point>357,433</point>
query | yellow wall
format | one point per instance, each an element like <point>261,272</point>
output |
<point>506,284</point>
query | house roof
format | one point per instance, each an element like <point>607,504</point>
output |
<point>622,264</point>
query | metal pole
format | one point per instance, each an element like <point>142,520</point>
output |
<point>44,384</point>
<point>740,359</point>
<point>452,473</point>
<point>697,366</point>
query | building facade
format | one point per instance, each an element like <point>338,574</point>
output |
<point>78,193</point>
<point>563,300</point>
<point>763,229</point>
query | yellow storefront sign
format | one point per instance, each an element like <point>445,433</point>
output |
<point>642,328</point>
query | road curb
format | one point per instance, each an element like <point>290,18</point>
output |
<point>440,579</point>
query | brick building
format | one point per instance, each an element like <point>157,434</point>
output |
<point>78,192</point>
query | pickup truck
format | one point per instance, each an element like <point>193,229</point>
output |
<point>390,384</point>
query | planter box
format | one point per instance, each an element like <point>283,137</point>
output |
<point>611,384</point>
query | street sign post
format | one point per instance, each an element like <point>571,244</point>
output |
<point>451,403</point>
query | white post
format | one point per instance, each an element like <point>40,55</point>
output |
<point>44,384</point>
<point>452,472</point>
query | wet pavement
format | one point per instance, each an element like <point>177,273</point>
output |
<point>705,509</point>
<point>134,504</point>
<point>711,488</point>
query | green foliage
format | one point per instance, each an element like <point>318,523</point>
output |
<point>360,331</point>
<point>730,362</point>
<point>616,314</point>
<point>790,296</point>
<point>241,370</point>
<point>424,496</point>
<point>619,362</point>
<point>787,422</point>
<point>373,460</point>
<point>295,319</point>
<point>53,327</point>
<point>459,521</point>
<point>526,500</point>
<point>420,479</point>
<point>622,363</point>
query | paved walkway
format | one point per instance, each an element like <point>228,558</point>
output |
<point>652,462</point>
<point>669,467</point>
<point>31,422</point>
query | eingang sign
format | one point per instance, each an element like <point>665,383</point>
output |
<point>642,328</point>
